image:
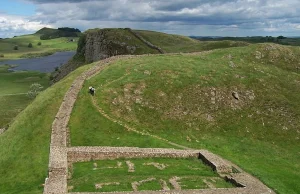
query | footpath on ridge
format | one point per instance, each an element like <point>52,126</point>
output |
<point>62,157</point>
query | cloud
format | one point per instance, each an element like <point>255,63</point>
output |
<point>187,17</point>
<point>16,25</point>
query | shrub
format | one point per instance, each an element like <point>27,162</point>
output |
<point>34,90</point>
<point>1,55</point>
<point>16,47</point>
<point>29,45</point>
<point>39,44</point>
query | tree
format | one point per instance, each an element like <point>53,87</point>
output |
<point>39,44</point>
<point>34,90</point>
<point>29,45</point>
<point>16,47</point>
<point>281,37</point>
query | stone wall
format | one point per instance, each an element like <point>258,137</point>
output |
<point>56,182</point>
<point>145,41</point>
<point>82,154</point>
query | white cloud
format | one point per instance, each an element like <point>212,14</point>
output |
<point>16,25</point>
<point>188,17</point>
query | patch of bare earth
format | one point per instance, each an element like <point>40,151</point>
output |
<point>100,185</point>
<point>130,166</point>
<point>136,184</point>
<point>2,131</point>
<point>174,182</point>
<point>157,165</point>
<point>209,184</point>
<point>164,185</point>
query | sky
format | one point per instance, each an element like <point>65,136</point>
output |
<point>186,17</point>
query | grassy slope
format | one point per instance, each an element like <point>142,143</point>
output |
<point>83,133</point>
<point>48,46</point>
<point>191,170</point>
<point>188,99</point>
<point>12,85</point>
<point>25,145</point>
<point>176,43</point>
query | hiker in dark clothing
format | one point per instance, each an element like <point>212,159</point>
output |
<point>92,90</point>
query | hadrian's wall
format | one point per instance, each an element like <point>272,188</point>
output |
<point>149,44</point>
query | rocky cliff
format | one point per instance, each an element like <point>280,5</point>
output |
<point>98,44</point>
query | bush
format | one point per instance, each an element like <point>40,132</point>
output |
<point>34,90</point>
<point>16,47</point>
<point>39,43</point>
<point>29,45</point>
<point>1,55</point>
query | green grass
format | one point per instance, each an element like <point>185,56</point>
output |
<point>13,89</point>
<point>191,170</point>
<point>24,146</point>
<point>188,100</point>
<point>48,46</point>
<point>112,134</point>
<point>171,96</point>
<point>175,43</point>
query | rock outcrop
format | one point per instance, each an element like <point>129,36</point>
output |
<point>99,44</point>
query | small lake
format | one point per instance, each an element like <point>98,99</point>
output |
<point>43,64</point>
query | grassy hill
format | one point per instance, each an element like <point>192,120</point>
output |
<point>240,103</point>
<point>96,44</point>
<point>50,33</point>
<point>175,43</point>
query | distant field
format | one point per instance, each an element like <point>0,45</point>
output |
<point>255,39</point>
<point>47,46</point>
<point>15,85</point>
<point>191,173</point>
<point>13,89</point>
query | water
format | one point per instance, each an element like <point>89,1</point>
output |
<point>43,64</point>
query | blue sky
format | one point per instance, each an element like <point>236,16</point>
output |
<point>186,17</point>
<point>17,7</point>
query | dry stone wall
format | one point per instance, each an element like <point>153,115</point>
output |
<point>149,44</point>
<point>82,154</point>
<point>56,182</point>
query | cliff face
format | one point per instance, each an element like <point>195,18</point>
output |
<point>104,43</point>
<point>98,44</point>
